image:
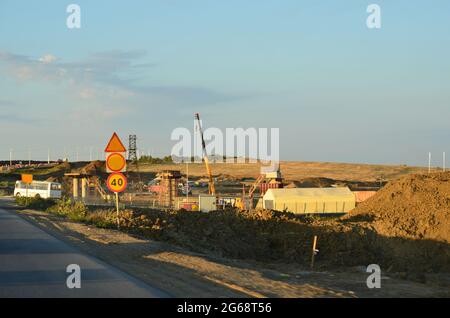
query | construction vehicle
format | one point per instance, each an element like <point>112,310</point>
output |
<point>265,181</point>
<point>211,186</point>
<point>255,185</point>
<point>241,201</point>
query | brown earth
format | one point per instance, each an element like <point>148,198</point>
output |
<point>294,170</point>
<point>183,273</point>
<point>415,207</point>
<point>267,236</point>
<point>405,228</point>
<point>407,224</point>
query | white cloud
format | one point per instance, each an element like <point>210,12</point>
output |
<point>92,95</point>
<point>107,81</point>
<point>48,58</point>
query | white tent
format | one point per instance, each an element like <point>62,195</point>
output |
<point>310,200</point>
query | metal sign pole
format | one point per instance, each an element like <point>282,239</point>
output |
<point>115,164</point>
<point>117,210</point>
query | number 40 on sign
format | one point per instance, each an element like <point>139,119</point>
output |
<point>116,182</point>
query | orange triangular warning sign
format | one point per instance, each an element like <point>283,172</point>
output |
<point>115,145</point>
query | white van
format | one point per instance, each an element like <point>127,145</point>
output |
<point>38,189</point>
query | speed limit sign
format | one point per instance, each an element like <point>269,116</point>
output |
<point>116,182</point>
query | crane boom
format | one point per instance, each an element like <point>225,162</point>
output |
<point>211,186</point>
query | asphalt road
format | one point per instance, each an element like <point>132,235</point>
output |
<point>33,264</point>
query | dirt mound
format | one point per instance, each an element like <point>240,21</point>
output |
<point>94,168</point>
<point>314,183</point>
<point>259,235</point>
<point>270,236</point>
<point>415,207</point>
<point>404,228</point>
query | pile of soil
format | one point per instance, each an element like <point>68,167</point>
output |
<point>258,235</point>
<point>407,224</point>
<point>314,183</point>
<point>261,235</point>
<point>415,207</point>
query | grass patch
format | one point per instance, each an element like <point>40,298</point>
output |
<point>34,203</point>
<point>72,210</point>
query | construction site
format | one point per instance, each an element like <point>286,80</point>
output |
<point>204,186</point>
<point>395,216</point>
<point>224,149</point>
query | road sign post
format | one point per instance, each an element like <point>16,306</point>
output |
<point>27,179</point>
<point>117,211</point>
<point>117,183</point>
<point>115,165</point>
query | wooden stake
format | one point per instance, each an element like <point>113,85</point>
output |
<point>443,161</point>
<point>313,252</point>
<point>429,162</point>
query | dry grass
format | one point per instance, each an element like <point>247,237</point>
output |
<point>293,171</point>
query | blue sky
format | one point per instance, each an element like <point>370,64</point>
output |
<point>337,90</point>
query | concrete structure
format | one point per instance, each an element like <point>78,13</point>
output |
<point>83,182</point>
<point>75,187</point>
<point>310,200</point>
<point>78,180</point>
<point>84,188</point>
<point>168,193</point>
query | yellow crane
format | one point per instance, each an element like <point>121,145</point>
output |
<point>211,186</point>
